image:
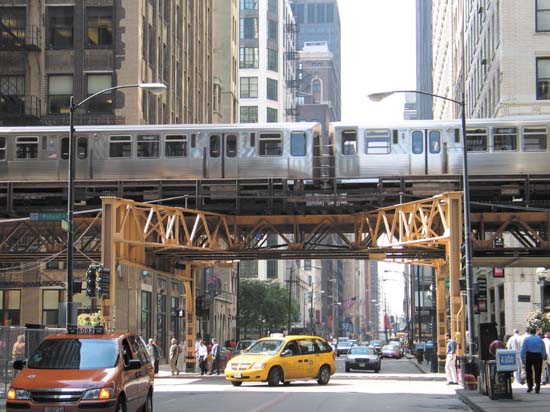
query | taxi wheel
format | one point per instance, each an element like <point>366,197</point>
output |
<point>121,405</point>
<point>236,383</point>
<point>274,376</point>
<point>148,407</point>
<point>324,375</point>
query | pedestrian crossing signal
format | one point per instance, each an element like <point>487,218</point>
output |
<point>104,282</point>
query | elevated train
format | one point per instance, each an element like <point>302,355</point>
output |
<point>277,150</point>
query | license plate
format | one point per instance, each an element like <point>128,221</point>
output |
<point>361,365</point>
<point>54,409</point>
<point>237,375</point>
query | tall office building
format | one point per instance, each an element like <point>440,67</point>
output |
<point>319,22</point>
<point>266,60</point>
<point>50,50</point>
<point>424,59</point>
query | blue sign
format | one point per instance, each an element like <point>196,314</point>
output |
<point>507,360</point>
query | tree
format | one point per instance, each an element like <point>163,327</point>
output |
<point>263,306</point>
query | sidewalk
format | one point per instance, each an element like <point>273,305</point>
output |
<point>521,401</point>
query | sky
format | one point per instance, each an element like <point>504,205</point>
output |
<point>378,54</point>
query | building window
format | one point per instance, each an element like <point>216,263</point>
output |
<point>10,307</point>
<point>60,27</point>
<point>148,146</point>
<point>50,307</point>
<point>272,60</point>
<point>14,87</point>
<point>102,103</point>
<point>248,58</point>
<point>161,314</point>
<point>271,89</point>
<point>543,78</point>
<point>14,21</point>
<point>543,15</point>
<point>26,148</point>
<point>175,146</point>
<point>272,30</point>
<point>377,142</point>
<point>505,138</point>
<point>249,114</point>
<point>249,87</point>
<point>272,115</point>
<point>272,6</point>
<point>100,26</point>
<point>60,89</point>
<point>270,144</point>
<point>146,316</point>
<point>120,146</point>
<point>249,28</point>
<point>2,148</point>
<point>249,4</point>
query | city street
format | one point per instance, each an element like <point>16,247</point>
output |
<point>389,390</point>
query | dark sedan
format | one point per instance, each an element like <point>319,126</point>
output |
<point>363,357</point>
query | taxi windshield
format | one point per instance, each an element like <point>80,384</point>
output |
<point>75,354</point>
<point>265,347</point>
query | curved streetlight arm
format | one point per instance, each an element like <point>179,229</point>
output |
<point>377,97</point>
<point>155,88</point>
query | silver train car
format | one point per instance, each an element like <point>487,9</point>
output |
<point>154,152</point>
<point>431,147</point>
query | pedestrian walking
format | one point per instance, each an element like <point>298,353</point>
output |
<point>450,361</point>
<point>182,357</point>
<point>203,357</point>
<point>174,354</point>
<point>533,353</point>
<point>514,343</point>
<point>215,357</point>
<point>197,347</point>
<point>546,368</point>
<point>154,354</point>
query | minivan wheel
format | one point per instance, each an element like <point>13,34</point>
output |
<point>148,407</point>
<point>120,404</point>
<point>274,376</point>
<point>236,383</point>
<point>324,375</point>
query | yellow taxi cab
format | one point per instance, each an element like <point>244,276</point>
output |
<point>84,369</point>
<point>284,359</point>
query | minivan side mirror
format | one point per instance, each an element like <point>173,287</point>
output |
<point>133,364</point>
<point>19,364</point>
<point>286,352</point>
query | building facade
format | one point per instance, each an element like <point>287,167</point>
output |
<point>52,50</point>
<point>424,59</point>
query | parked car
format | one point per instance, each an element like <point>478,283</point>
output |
<point>391,351</point>
<point>363,358</point>
<point>283,359</point>
<point>343,346</point>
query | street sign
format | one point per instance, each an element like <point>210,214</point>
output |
<point>507,360</point>
<point>48,216</point>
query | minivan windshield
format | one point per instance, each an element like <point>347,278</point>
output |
<point>75,354</point>
<point>265,347</point>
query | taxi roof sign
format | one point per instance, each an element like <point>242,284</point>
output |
<point>85,330</point>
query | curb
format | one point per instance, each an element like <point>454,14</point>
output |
<point>467,401</point>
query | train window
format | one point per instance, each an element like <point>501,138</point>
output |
<point>505,138</point>
<point>395,134</point>
<point>435,141</point>
<point>82,148</point>
<point>349,142</point>
<point>417,142</point>
<point>271,144</point>
<point>298,144</point>
<point>476,140</point>
<point>148,146</point>
<point>2,148</point>
<point>535,138</point>
<point>193,140</point>
<point>377,142</point>
<point>26,148</point>
<point>120,146</point>
<point>65,148</point>
<point>175,146</point>
<point>215,145</point>
<point>252,139</point>
<point>231,145</point>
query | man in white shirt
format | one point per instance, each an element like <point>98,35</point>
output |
<point>514,343</point>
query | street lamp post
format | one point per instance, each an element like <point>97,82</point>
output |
<point>155,88</point>
<point>466,190</point>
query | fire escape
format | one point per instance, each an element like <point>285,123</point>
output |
<point>16,36</point>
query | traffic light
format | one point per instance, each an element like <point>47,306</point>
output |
<point>104,282</point>
<point>91,281</point>
<point>463,259</point>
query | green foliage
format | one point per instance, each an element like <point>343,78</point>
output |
<point>264,305</point>
<point>539,320</point>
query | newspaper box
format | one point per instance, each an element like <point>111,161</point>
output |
<point>507,360</point>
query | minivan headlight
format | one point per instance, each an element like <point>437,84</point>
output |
<point>101,393</point>
<point>18,395</point>
<point>258,366</point>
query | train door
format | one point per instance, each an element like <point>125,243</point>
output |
<point>82,157</point>
<point>222,156</point>
<point>426,154</point>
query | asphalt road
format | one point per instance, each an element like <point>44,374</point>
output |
<point>399,386</point>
